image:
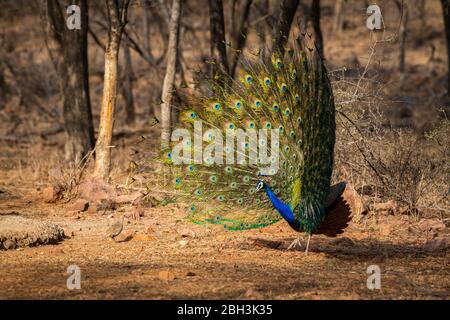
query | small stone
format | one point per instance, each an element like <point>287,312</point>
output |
<point>9,244</point>
<point>190,274</point>
<point>183,243</point>
<point>80,205</point>
<point>51,194</point>
<point>166,275</point>
<point>125,236</point>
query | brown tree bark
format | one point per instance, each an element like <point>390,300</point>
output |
<point>117,15</point>
<point>239,29</point>
<point>315,15</point>
<point>445,9</point>
<point>283,26</point>
<point>169,78</point>
<point>127,87</point>
<point>68,51</point>
<point>218,47</point>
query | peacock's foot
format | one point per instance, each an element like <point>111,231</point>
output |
<point>295,243</point>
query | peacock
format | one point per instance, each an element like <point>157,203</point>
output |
<point>259,148</point>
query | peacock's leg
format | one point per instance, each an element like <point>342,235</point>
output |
<point>295,243</point>
<point>307,245</point>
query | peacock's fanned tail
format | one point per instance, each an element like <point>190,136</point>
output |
<point>290,95</point>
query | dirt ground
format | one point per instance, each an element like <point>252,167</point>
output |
<point>169,258</point>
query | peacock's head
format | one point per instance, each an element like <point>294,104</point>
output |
<point>260,185</point>
<point>263,181</point>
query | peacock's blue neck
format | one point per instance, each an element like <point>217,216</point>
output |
<point>282,208</point>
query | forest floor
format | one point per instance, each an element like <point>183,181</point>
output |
<point>166,257</point>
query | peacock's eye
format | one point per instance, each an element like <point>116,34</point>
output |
<point>193,115</point>
<point>248,78</point>
<point>213,178</point>
<point>275,107</point>
<point>177,181</point>
<point>217,106</point>
<point>268,125</point>
<point>231,126</point>
<point>251,125</point>
<point>287,112</point>
<point>284,87</point>
<point>238,104</point>
<point>297,98</point>
<point>198,192</point>
<point>267,81</point>
<point>258,103</point>
<point>169,155</point>
<point>193,208</point>
<point>280,129</point>
<point>220,198</point>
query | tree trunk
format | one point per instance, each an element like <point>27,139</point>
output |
<point>68,51</point>
<point>128,86</point>
<point>445,8</point>
<point>146,31</point>
<point>169,78</point>
<point>218,47</point>
<point>239,34</point>
<point>338,22</point>
<point>283,26</point>
<point>315,13</point>
<point>117,20</point>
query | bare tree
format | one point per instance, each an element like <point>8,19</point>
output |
<point>218,45</point>
<point>117,16</point>
<point>169,78</point>
<point>315,15</point>
<point>68,51</point>
<point>445,8</point>
<point>282,28</point>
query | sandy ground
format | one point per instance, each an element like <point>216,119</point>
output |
<point>169,258</point>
